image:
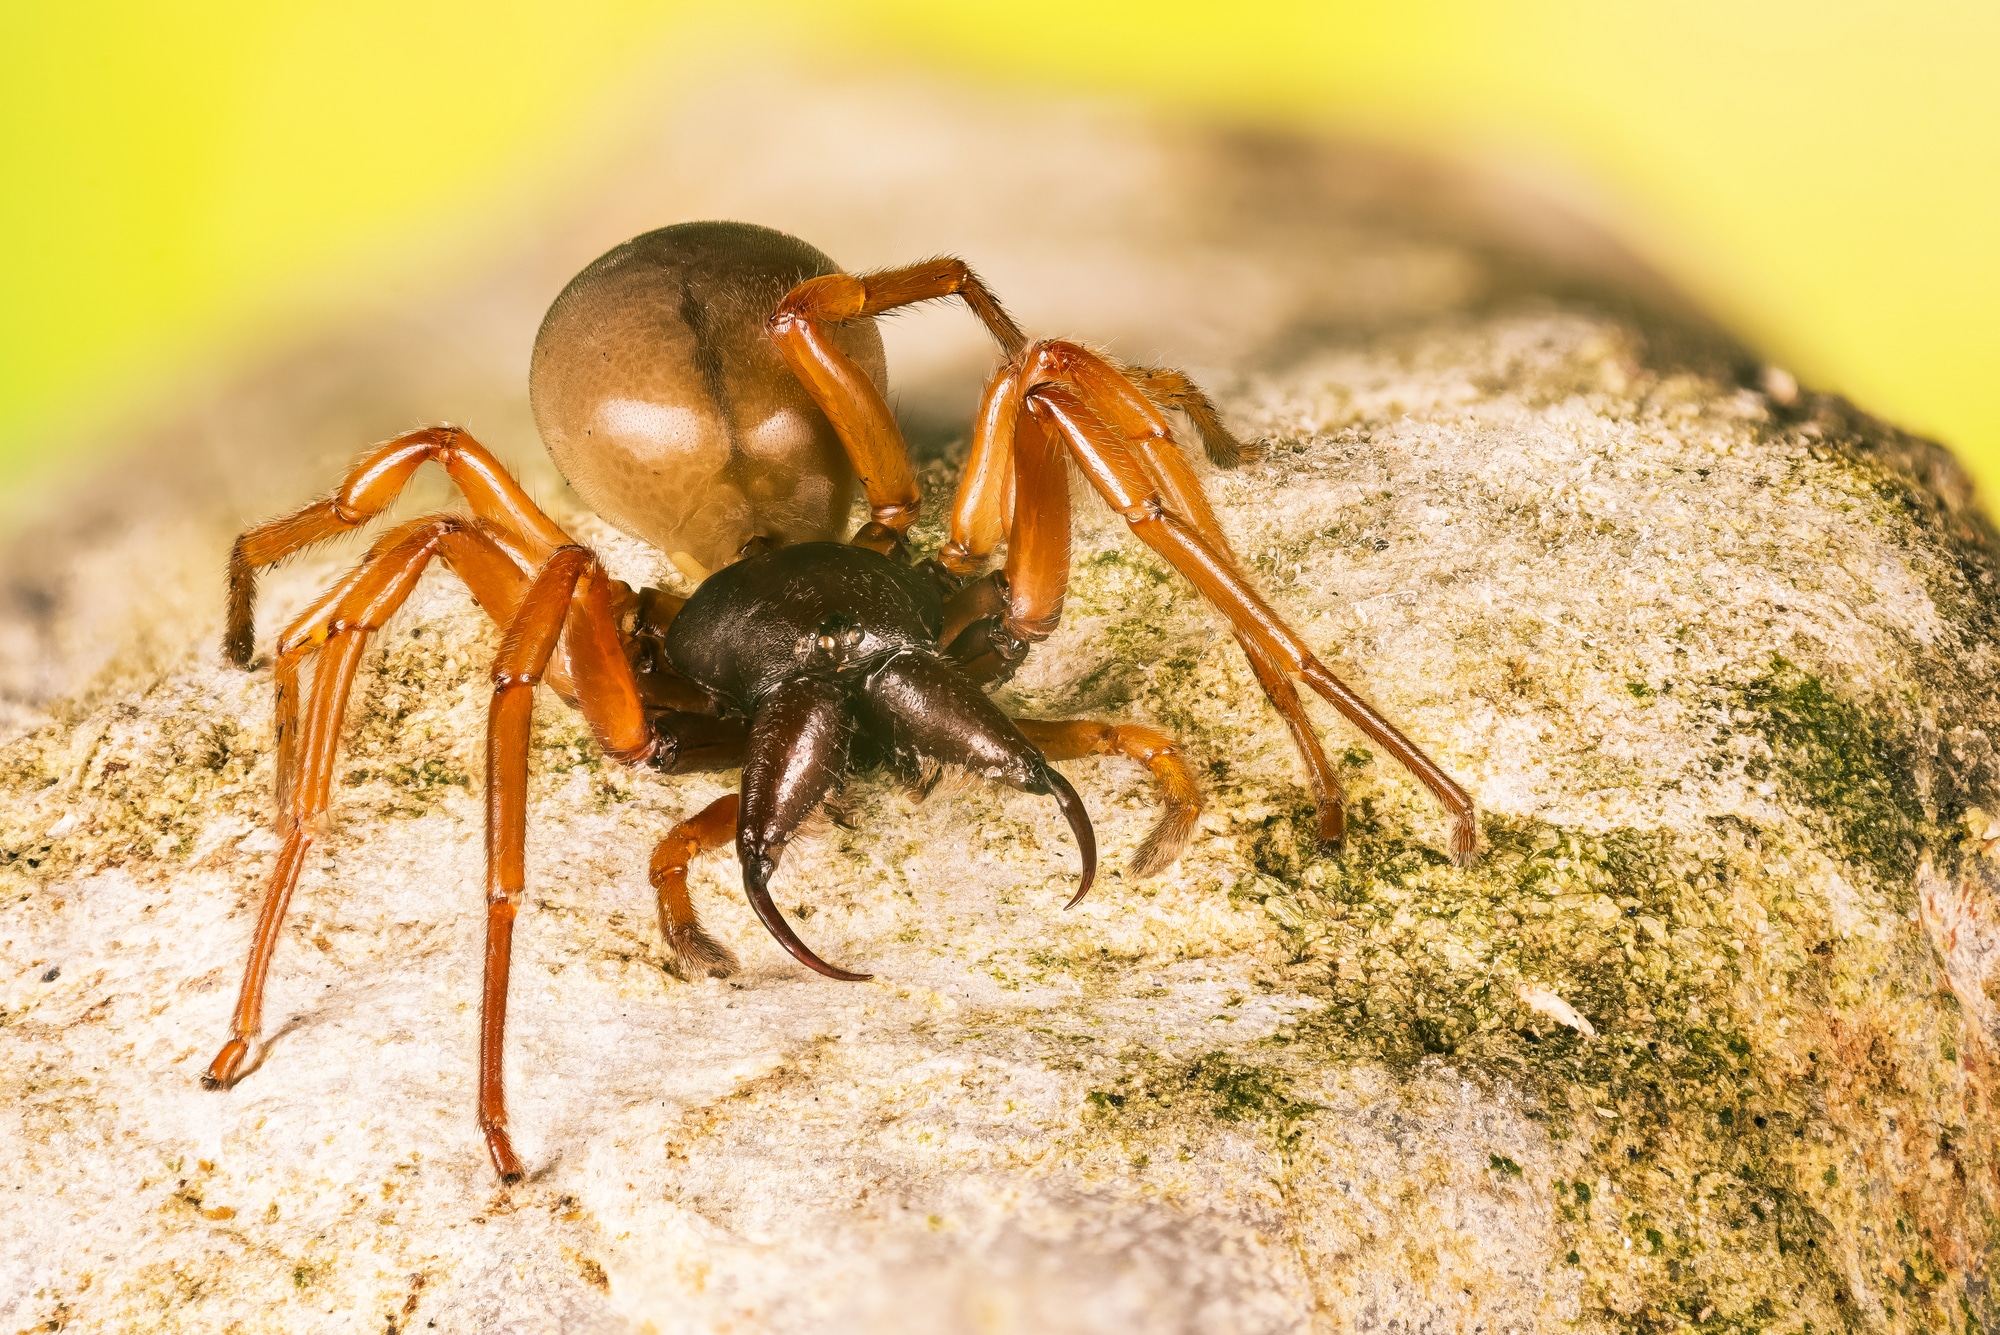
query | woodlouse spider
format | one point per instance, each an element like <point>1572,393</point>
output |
<point>716,389</point>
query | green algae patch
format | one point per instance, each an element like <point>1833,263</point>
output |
<point>1698,1174</point>
<point>1215,1086</point>
<point>1847,767</point>
<point>125,786</point>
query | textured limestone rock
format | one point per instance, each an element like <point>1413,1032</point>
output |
<point>1707,1040</point>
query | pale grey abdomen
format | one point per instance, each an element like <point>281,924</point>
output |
<point>661,399</point>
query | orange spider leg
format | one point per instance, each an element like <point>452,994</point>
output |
<point>367,598</point>
<point>844,391</point>
<point>1167,468</point>
<point>490,562</point>
<point>1329,796</point>
<point>368,489</point>
<point>1015,468</point>
<point>980,517</point>
<point>986,486</point>
<point>1173,389</point>
<point>524,653</point>
<point>598,667</point>
<point>1117,475</point>
<point>1069,739</point>
<point>692,951</point>
<point>571,598</point>
<point>1038,543</point>
<point>338,626</point>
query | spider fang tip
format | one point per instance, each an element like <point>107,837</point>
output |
<point>774,922</point>
<point>1079,825</point>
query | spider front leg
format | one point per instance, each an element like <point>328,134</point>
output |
<point>570,597</point>
<point>1016,484</point>
<point>1138,421</point>
<point>693,952</point>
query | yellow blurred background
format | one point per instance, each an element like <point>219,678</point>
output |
<point>184,182</point>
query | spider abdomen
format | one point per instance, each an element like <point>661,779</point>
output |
<point>660,397</point>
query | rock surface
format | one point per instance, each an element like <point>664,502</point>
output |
<point>1707,1040</point>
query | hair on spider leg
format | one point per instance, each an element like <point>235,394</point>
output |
<point>692,954</point>
<point>1165,842</point>
<point>1464,839</point>
<point>930,774</point>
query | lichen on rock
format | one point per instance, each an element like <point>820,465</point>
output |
<point>1717,669</point>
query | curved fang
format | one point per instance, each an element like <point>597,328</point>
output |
<point>1079,825</point>
<point>774,922</point>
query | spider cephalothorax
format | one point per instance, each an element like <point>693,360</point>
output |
<point>716,390</point>
<point>831,651</point>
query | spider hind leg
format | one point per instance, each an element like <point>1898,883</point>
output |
<point>1126,453</point>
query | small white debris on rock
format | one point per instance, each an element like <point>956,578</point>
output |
<point>1544,1002</point>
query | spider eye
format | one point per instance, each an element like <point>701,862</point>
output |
<point>827,644</point>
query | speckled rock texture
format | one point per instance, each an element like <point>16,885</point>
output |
<point>1708,1040</point>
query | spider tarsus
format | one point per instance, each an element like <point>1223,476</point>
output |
<point>501,1149</point>
<point>1164,843</point>
<point>692,955</point>
<point>1331,841</point>
<point>238,640</point>
<point>224,1071</point>
<point>1243,452</point>
<point>1221,447</point>
<point>1465,839</point>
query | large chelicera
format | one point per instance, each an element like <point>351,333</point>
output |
<point>716,389</point>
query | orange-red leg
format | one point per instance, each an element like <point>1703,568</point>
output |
<point>487,559</point>
<point>1329,797</point>
<point>572,594</point>
<point>530,640</point>
<point>692,952</point>
<point>985,498</point>
<point>844,392</point>
<point>1117,474</point>
<point>1019,469</point>
<point>368,489</point>
<point>1146,432</point>
<point>366,599</point>
<point>1038,543</point>
<point>1137,418</point>
<point>571,598</point>
<point>1173,389</point>
<point>1069,739</point>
